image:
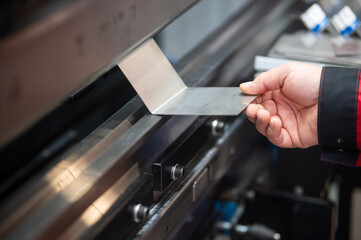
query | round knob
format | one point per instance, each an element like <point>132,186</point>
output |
<point>177,172</point>
<point>139,212</point>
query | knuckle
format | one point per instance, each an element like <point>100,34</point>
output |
<point>290,66</point>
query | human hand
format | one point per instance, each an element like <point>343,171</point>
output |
<point>286,109</point>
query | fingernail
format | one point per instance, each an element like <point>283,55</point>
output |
<point>245,85</point>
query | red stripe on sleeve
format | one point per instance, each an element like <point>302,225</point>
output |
<point>358,126</point>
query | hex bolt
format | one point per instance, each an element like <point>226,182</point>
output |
<point>177,172</point>
<point>139,212</point>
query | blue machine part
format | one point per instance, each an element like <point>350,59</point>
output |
<point>226,208</point>
<point>350,29</point>
<point>321,26</point>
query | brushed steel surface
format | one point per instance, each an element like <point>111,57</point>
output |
<point>207,101</point>
<point>164,92</point>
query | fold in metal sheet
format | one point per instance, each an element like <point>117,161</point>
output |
<point>164,92</point>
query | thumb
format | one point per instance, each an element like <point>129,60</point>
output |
<point>267,81</point>
<point>249,88</point>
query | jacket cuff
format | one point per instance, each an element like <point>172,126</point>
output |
<point>339,127</point>
<point>344,157</point>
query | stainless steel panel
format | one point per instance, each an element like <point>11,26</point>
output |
<point>164,92</point>
<point>56,55</point>
<point>207,101</point>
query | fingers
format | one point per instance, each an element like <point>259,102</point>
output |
<point>259,104</point>
<point>252,111</point>
<point>268,81</point>
<point>262,121</point>
<point>283,140</point>
<point>272,128</point>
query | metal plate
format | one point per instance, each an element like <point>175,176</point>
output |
<point>164,92</point>
<point>207,101</point>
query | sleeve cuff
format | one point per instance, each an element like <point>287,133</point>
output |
<point>337,122</point>
<point>344,157</point>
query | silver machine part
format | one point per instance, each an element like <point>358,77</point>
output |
<point>139,212</point>
<point>177,172</point>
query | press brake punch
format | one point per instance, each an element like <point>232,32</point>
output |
<point>164,92</point>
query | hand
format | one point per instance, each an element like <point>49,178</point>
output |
<point>286,109</point>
